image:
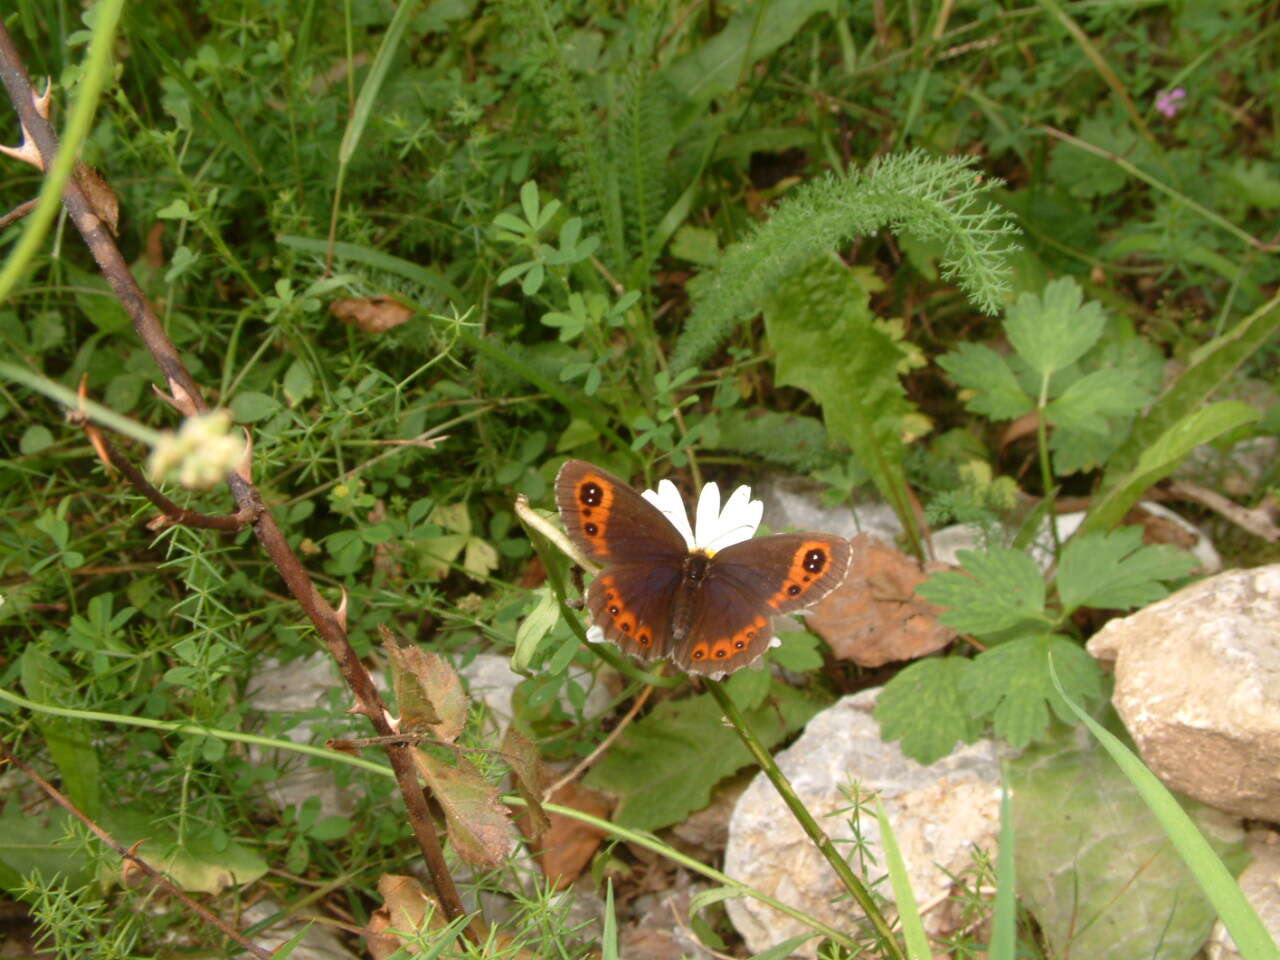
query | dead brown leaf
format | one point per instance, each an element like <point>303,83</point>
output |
<point>568,845</point>
<point>406,908</point>
<point>100,196</point>
<point>477,822</point>
<point>371,314</point>
<point>428,691</point>
<point>874,617</point>
<point>522,756</point>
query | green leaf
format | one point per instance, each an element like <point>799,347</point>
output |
<point>997,393</point>
<point>714,69</point>
<point>251,406</point>
<point>1114,570</point>
<point>1001,588</point>
<point>1163,455</point>
<point>1093,864</point>
<point>663,767</point>
<point>533,628</point>
<point>749,688</point>
<point>799,651</point>
<point>1053,330</point>
<point>1092,401</point>
<point>1214,365</point>
<point>927,735</point>
<point>298,382</point>
<point>36,843</point>
<point>1011,683</point>
<point>826,343</point>
<point>34,439</point>
<point>69,742</point>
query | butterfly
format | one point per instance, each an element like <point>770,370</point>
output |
<point>709,610</point>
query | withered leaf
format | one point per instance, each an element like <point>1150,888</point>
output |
<point>428,691</point>
<point>478,824</point>
<point>569,844</point>
<point>405,907</point>
<point>526,766</point>
<point>371,314</point>
<point>875,617</point>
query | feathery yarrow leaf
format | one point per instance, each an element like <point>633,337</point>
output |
<point>933,198</point>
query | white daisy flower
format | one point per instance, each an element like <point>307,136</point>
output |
<point>716,528</point>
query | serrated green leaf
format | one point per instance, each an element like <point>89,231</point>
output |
<point>1114,570</point>
<point>997,393</point>
<point>1163,455</point>
<point>1011,683</point>
<point>1093,864</point>
<point>664,766</point>
<point>826,343</point>
<point>1055,329</point>
<point>1000,588</point>
<point>1093,400</point>
<point>927,735</point>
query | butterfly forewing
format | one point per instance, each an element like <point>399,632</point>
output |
<point>787,571</point>
<point>610,522</point>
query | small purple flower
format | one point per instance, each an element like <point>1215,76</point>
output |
<point>1167,101</point>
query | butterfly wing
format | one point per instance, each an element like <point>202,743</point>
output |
<point>632,604</point>
<point>641,551</point>
<point>746,585</point>
<point>611,523</point>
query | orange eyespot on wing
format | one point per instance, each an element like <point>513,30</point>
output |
<point>787,571</point>
<point>609,521</point>
<point>632,605</point>
<point>730,651</point>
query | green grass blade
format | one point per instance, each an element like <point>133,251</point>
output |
<point>1214,365</point>
<point>913,935</point>
<point>1239,917</point>
<point>373,81</point>
<point>97,73</point>
<point>1004,939</point>
<point>1162,457</point>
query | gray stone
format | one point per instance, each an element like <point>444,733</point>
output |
<point>938,812</point>
<point>1197,683</point>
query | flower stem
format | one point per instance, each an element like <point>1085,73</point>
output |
<point>810,826</point>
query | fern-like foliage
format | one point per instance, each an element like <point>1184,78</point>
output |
<point>933,198</point>
<point>641,140</point>
<point>788,439</point>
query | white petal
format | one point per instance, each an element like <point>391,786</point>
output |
<point>708,520</point>
<point>669,504</point>
<point>737,522</point>
<point>595,634</point>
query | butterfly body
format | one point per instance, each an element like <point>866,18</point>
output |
<point>657,596</point>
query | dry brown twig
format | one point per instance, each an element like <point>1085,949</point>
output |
<point>187,397</point>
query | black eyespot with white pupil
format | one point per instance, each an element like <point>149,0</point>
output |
<point>793,589</point>
<point>815,560</point>
<point>591,529</point>
<point>591,494</point>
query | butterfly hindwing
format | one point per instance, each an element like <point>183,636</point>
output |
<point>746,585</point>
<point>729,627</point>
<point>632,604</point>
<point>610,522</point>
